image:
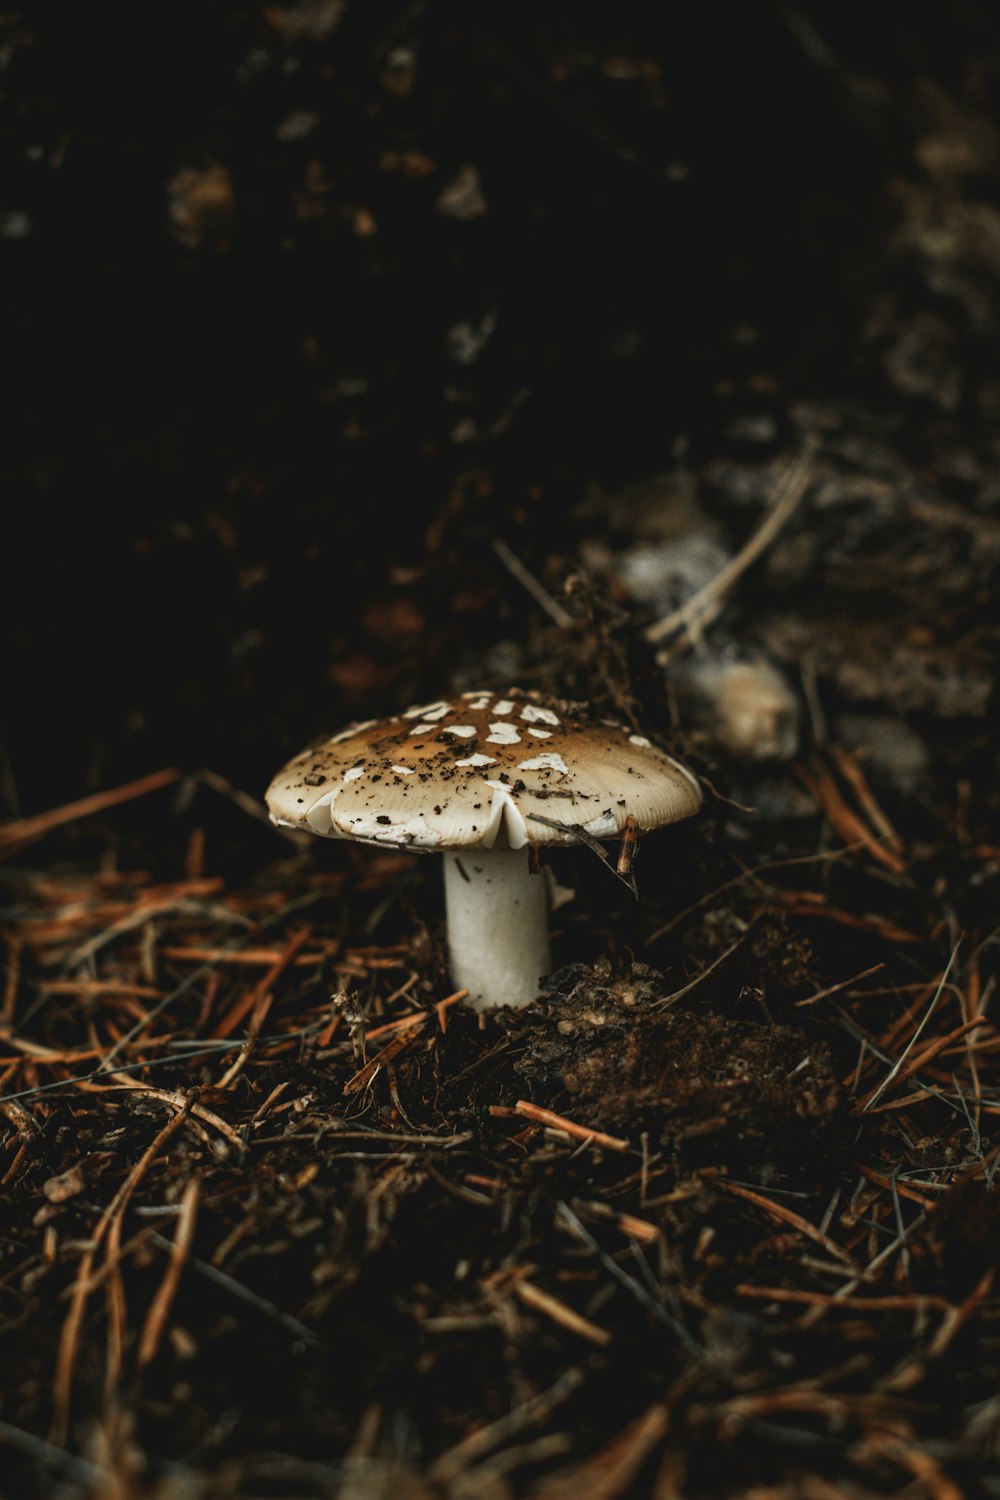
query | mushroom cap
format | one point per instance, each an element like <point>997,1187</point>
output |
<point>479,767</point>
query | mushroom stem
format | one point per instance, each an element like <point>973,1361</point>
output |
<point>498,928</point>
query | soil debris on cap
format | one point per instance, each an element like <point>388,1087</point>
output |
<point>544,769</point>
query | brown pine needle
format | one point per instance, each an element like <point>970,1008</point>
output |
<point>69,1343</point>
<point>548,1117</point>
<point>902,1188</point>
<point>893,1072</point>
<point>159,1310</point>
<point>250,957</point>
<point>858,782</point>
<point>913,1302</point>
<point>392,1049</point>
<point>786,1216</point>
<point>853,830</point>
<point>544,1302</point>
<point>611,1471</point>
<point>24,831</point>
<point>253,996</point>
<point>932,1050</point>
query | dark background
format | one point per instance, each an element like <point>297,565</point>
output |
<point>252,479</point>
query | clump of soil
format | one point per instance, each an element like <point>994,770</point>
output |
<point>698,1083</point>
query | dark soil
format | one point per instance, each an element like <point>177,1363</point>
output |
<point>360,354</point>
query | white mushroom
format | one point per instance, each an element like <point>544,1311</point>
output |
<point>743,708</point>
<point>461,779</point>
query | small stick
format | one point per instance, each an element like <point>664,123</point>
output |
<point>185,1104</point>
<point>693,983</point>
<point>443,1006</point>
<point>400,1024</point>
<point>638,1229</point>
<point>363,1078</point>
<point>538,592</point>
<point>580,833</point>
<point>897,1065</point>
<point>824,791</point>
<point>627,852</point>
<point>612,1469</point>
<point>116,1315</point>
<point>832,989</point>
<point>858,782</point>
<point>542,1116</point>
<point>194,858</point>
<point>932,1051</point>
<point>69,1342</point>
<point>706,602</point>
<point>98,987</point>
<point>450,1464</point>
<point>787,1216</point>
<point>230,1022</point>
<point>162,1302</point>
<point>252,957</point>
<point>913,1302</point>
<point>26,830</point>
<point>544,1302</point>
<point>880,1180</point>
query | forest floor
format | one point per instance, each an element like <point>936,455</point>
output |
<point>715,1215</point>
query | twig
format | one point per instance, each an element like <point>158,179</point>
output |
<point>542,1116</point>
<point>393,1048</point>
<point>931,1051</point>
<point>544,1302</point>
<point>450,1464</point>
<point>693,983</point>
<point>833,989</point>
<point>852,828</point>
<point>694,611</point>
<point>24,831</point>
<point>897,1065</point>
<point>611,1471</point>
<point>292,1325</point>
<point>159,1310</point>
<point>527,580</point>
<point>914,1301</point>
<point>580,833</point>
<point>69,1342</point>
<point>246,1003</point>
<point>787,1216</point>
<point>858,782</point>
<point>633,1287</point>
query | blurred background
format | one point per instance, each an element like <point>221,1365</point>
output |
<point>317,312</point>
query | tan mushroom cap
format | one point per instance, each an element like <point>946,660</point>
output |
<point>453,774</point>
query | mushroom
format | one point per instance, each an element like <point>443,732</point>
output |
<point>482,778</point>
<point>742,707</point>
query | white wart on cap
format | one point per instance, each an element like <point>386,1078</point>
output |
<point>478,778</point>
